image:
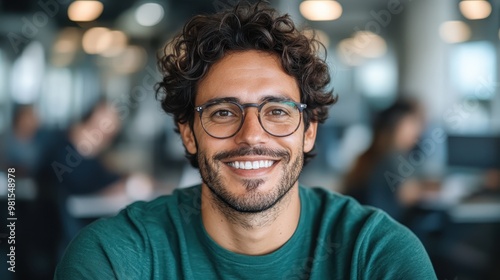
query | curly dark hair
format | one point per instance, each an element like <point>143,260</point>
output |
<point>205,39</point>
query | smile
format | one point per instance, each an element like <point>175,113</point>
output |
<point>258,164</point>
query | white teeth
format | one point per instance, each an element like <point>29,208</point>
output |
<point>251,164</point>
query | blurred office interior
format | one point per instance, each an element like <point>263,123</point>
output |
<point>79,120</point>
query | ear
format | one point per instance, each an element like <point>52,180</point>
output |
<point>310,136</point>
<point>187,136</point>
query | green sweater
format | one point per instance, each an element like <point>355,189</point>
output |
<point>165,239</point>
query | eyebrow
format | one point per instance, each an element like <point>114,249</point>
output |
<point>237,100</point>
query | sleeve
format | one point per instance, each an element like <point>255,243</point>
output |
<point>112,248</point>
<point>388,250</point>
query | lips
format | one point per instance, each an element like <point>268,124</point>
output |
<point>252,161</point>
<point>247,165</point>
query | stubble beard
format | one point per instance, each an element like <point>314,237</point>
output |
<point>255,208</point>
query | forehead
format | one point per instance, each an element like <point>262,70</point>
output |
<point>247,76</point>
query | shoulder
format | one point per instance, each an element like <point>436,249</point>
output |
<point>386,248</point>
<point>99,247</point>
<point>124,243</point>
<point>341,217</point>
<point>370,242</point>
<point>344,213</point>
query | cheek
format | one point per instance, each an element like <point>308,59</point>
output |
<point>295,145</point>
<point>210,146</point>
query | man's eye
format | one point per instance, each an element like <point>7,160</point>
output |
<point>279,112</point>
<point>222,113</point>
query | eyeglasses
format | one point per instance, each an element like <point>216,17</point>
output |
<point>223,119</point>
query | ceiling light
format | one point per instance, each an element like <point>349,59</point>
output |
<point>96,40</point>
<point>454,31</point>
<point>117,43</point>
<point>369,44</point>
<point>320,10</point>
<point>149,14</point>
<point>347,53</point>
<point>475,9</point>
<point>101,40</point>
<point>85,10</point>
<point>360,46</point>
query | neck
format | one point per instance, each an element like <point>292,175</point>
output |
<point>251,233</point>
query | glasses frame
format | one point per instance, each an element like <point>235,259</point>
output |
<point>300,107</point>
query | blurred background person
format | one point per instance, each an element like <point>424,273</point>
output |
<point>69,162</point>
<point>23,152</point>
<point>389,177</point>
<point>370,181</point>
<point>73,164</point>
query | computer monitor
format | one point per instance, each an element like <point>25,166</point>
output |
<point>473,151</point>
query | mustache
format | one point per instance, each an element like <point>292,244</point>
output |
<point>253,151</point>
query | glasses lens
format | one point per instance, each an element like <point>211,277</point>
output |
<point>221,119</point>
<point>280,118</point>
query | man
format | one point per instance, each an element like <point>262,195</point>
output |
<point>247,92</point>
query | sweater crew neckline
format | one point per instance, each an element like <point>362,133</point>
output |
<point>260,260</point>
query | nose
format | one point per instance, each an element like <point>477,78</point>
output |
<point>251,132</point>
